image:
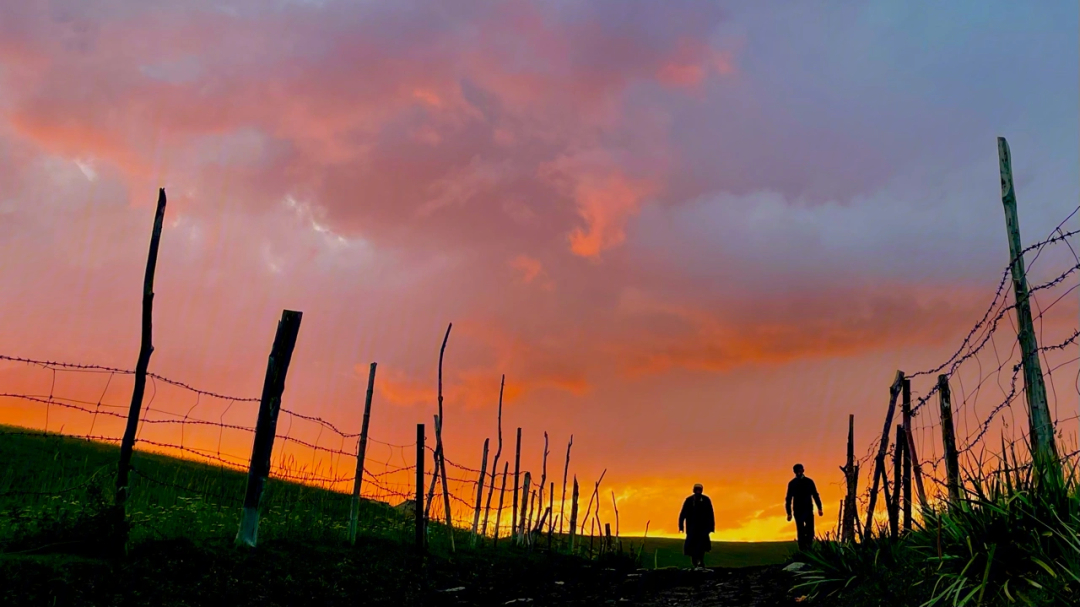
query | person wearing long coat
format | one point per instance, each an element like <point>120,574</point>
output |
<point>698,521</point>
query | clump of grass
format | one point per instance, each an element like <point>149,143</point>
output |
<point>1013,540</point>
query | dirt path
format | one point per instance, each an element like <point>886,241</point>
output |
<point>747,587</point>
<point>743,587</point>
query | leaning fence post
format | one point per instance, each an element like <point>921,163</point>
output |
<point>480,493</point>
<point>913,457</point>
<point>266,427</point>
<point>418,515</point>
<point>948,439</point>
<point>879,461</point>
<point>146,348</point>
<point>1041,424</point>
<point>361,451</point>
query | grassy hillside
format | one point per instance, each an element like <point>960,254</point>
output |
<point>51,487</point>
<point>49,484</point>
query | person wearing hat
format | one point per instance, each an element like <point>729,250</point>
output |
<point>801,496</point>
<point>698,521</point>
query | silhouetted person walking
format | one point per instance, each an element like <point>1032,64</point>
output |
<point>801,496</point>
<point>697,518</point>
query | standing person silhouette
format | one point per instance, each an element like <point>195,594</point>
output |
<point>698,520</point>
<point>800,491</point>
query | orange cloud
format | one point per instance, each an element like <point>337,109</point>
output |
<point>775,332</point>
<point>605,197</point>
<point>530,269</point>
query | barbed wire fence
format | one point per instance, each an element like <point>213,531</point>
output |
<point>985,380</point>
<point>314,460</point>
<point>198,451</point>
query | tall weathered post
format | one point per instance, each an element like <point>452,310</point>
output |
<point>266,427</point>
<point>146,348</point>
<point>1043,447</point>
<point>907,453</point>
<point>948,439</point>
<point>851,476</point>
<point>361,452</point>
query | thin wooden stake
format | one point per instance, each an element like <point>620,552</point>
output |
<point>517,485</point>
<point>480,493</point>
<point>502,495</point>
<point>418,514</point>
<point>445,485</point>
<point>495,462</point>
<point>573,514</point>
<point>543,472</point>
<point>361,451</point>
<point>616,507</point>
<point>266,427</point>
<point>146,348</point>
<point>522,524</point>
<point>566,470</point>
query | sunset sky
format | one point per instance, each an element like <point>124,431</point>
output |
<point>696,235</point>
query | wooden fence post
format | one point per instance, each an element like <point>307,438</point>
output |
<point>573,514</point>
<point>879,461</point>
<point>566,470</point>
<point>146,348</point>
<point>502,494</point>
<point>445,487</point>
<point>1041,424</point>
<point>543,474</point>
<point>480,493</point>
<point>948,439</point>
<point>495,462</point>
<point>266,427</point>
<point>851,475</point>
<point>418,515</point>
<point>616,507</point>
<point>906,387</point>
<point>517,485</point>
<point>361,452</point>
<point>898,457</point>
<point>522,524</point>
